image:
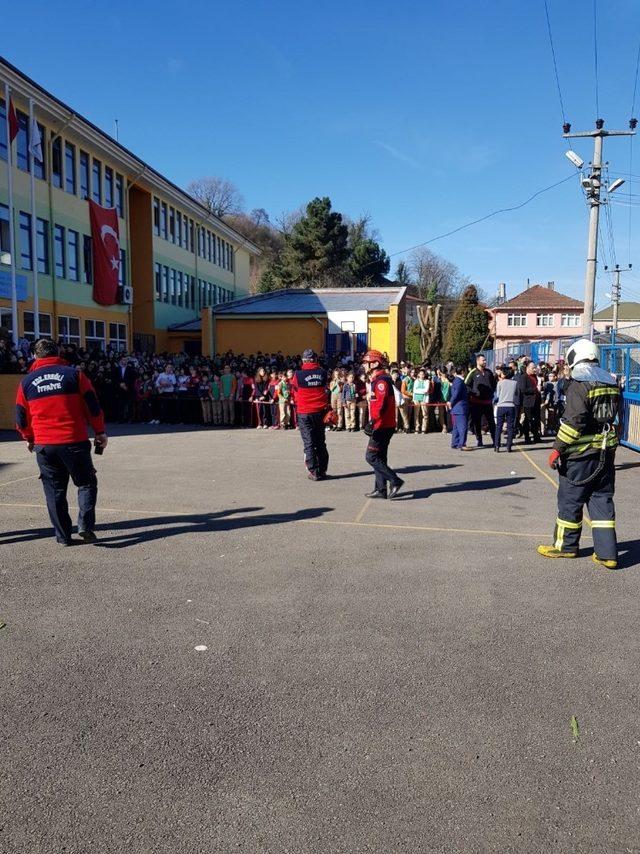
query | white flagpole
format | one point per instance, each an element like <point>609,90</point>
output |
<point>34,247</point>
<point>12,241</point>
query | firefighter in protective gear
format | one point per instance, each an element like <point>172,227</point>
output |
<point>583,454</point>
<point>381,427</point>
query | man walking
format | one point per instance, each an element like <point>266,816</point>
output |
<point>381,427</point>
<point>311,394</point>
<point>54,404</point>
<point>481,384</point>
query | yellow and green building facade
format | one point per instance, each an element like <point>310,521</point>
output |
<point>177,259</point>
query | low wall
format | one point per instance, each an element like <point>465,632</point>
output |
<point>8,388</point>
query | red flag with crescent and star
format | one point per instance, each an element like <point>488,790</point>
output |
<point>105,243</point>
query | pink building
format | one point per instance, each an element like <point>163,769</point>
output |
<point>539,313</point>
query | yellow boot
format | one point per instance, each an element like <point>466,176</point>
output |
<point>608,564</point>
<point>552,551</point>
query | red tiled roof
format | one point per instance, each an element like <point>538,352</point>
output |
<point>540,296</point>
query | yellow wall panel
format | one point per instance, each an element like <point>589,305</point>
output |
<point>291,335</point>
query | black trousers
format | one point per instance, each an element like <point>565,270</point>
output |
<point>531,423</point>
<point>476,411</point>
<point>376,456</point>
<point>597,496</point>
<point>312,430</point>
<point>508,414</point>
<point>58,463</point>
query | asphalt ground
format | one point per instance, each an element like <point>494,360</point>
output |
<point>378,676</point>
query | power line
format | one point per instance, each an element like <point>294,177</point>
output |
<point>635,82</point>
<point>555,64</point>
<point>633,107</point>
<point>595,52</point>
<point>483,218</point>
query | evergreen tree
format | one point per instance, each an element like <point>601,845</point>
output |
<point>368,262</point>
<point>403,277</point>
<point>316,246</point>
<point>267,282</point>
<point>467,330</point>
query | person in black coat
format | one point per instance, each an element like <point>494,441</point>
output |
<point>531,400</point>
<point>124,383</point>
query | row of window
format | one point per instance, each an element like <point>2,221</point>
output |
<point>69,330</point>
<point>178,228</point>
<point>177,288</point>
<point>569,320</point>
<point>67,246</point>
<point>71,169</point>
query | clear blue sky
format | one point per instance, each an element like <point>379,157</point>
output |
<point>424,115</point>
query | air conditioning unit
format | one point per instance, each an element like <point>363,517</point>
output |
<point>126,295</point>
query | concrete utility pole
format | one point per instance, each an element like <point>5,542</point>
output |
<point>592,185</point>
<point>615,297</point>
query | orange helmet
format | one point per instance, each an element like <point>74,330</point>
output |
<point>374,356</point>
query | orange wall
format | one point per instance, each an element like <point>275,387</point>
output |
<point>291,335</point>
<point>8,389</point>
<point>141,235</point>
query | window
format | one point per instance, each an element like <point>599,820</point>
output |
<point>59,251</point>
<point>157,270</point>
<point>192,241</point>
<point>42,245</point>
<point>96,181</point>
<point>186,290</point>
<point>119,194</point>
<point>118,336</point>
<point>94,334</point>
<point>172,225</point>
<point>516,320</point>
<point>172,286</point>
<point>231,257</point>
<point>3,130</point>
<point>73,261</point>
<point>5,243</point>
<point>122,269</point>
<point>178,228</point>
<point>192,289</point>
<point>69,330</point>
<point>215,250</point>
<point>22,142</point>
<point>87,258</point>
<point>56,162</point>
<point>25,241</point>
<point>84,175</point>
<point>165,284</point>
<point>45,325</point>
<point>156,216</point>
<point>6,320</point>
<point>544,320</point>
<point>570,320</point>
<point>163,220</point>
<point>70,168</point>
<point>108,187</point>
<point>178,287</point>
<point>38,165</point>
<point>219,252</point>
<point>209,250</point>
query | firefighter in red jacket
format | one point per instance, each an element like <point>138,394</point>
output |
<point>381,427</point>
<point>311,395</point>
<point>54,404</point>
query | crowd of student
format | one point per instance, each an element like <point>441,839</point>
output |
<point>254,390</point>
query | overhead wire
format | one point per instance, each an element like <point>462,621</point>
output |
<point>595,53</point>
<point>555,64</point>
<point>633,107</point>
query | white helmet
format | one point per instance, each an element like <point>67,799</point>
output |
<point>582,351</point>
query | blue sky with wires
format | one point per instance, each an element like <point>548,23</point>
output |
<point>426,116</point>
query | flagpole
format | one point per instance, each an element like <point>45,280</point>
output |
<point>34,246</point>
<point>12,241</point>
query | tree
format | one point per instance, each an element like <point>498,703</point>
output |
<point>368,262</point>
<point>403,276</point>
<point>267,282</point>
<point>468,328</point>
<point>217,195</point>
<point>316,245</point>
<point>435,275</point>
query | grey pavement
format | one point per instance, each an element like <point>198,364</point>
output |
<point>378,676</point>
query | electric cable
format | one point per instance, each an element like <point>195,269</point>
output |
<point>555,64</point>
<point>595,53</point>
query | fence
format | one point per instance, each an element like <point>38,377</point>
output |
<point>538,351</point>
<point>624,361</point>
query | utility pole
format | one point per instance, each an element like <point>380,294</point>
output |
<point>593,185</point>
<point>615,297</point>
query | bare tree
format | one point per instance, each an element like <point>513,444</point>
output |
<point>218,195</point>
<point>435,275</point>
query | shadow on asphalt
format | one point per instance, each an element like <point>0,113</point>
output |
<point>161,527</point>
<point>625,466</point>
<point>466,486</point>
<point>403,470</point>
<point>628,554</point>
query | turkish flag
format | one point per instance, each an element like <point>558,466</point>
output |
<point>13,122</point>
<point>105,244</point>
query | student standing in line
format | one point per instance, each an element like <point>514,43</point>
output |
<point>459,408</point>
<point>348,396</point>
<point>420,397</point>
<point>507,405</point>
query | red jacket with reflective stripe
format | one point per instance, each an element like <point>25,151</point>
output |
<point>382,406</point>
<point>310,391</point>
<point>55,403</point>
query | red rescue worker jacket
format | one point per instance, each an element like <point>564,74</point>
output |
<point>54,404</point>
<point>382,405</point>
<point>310,391</point>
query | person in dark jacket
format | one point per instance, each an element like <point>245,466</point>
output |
<point>124,383</point>
<point>458,406</point>
<point>54,404</point>
<point>481,384</point>
<point>381,427</point>
<point>310,387</point>
<point>584,454</point>
<point>531,400</point>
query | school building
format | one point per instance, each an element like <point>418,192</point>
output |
<point>176,258</point>
<point>326,319</point>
